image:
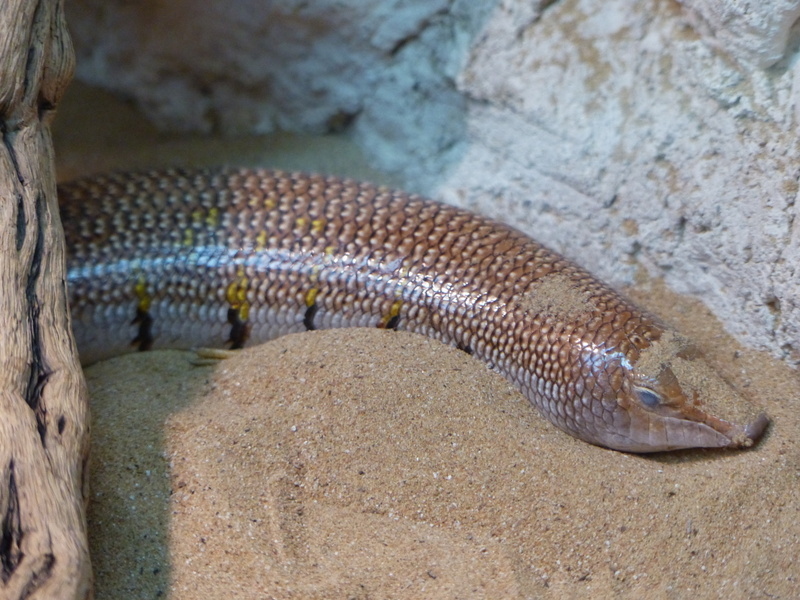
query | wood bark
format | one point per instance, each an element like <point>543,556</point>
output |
<point>43,400</point>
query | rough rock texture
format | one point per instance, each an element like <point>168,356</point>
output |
<point>386,68</point>
<point>752,31</point>
<point>649,135</point>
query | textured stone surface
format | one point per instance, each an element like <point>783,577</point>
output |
<point>633,136</point>
<point>753,31</point>
<point>383,67</point>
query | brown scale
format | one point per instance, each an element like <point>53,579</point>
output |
<point>323,249</point>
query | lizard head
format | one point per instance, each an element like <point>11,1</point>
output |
<point>669,398</point>
<point>661,396</point>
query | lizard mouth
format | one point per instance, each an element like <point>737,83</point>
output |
<point>659,433</point>
<point>702,430</point>
<point>713,432</point>
<point>689,405</point>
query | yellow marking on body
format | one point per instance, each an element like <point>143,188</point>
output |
<point>212,220</point>
<point>318,225</point>
<point>244,311</point>
<point>269,203</point>
<point>329,250</point>
<point>236,294</point>
<point>393,312</point>
<point>188,237</point>
<point>140,289</point>
<point>197,217</point>
<point>300,222</point>
<point>261,240</point>
<point>311,297</point>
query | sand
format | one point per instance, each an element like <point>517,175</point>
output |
<point>374,464</point>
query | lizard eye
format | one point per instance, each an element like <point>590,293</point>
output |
<point>648,397</point>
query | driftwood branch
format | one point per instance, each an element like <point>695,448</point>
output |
<point>43,401</point>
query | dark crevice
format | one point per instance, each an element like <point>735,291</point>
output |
<point>38,372</point>
<point>403,42</point>
<point>10,530</point>
<point>340,121</point>
<point>21,229</point>
<point>773,304</point>
<point>34,57</point>
<point>416,34</point>
<point>45,108</point>
<point>37,382</point>
<point>30,61</point>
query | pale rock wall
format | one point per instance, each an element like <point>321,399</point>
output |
<point>753,31</point>
<point>382,68</point>
<point>634,136</point>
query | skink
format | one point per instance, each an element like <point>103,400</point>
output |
<point>235,257</point>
